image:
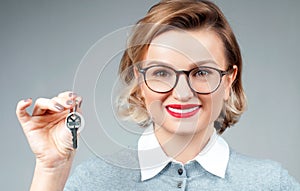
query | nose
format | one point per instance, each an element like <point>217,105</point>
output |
<point>182,90</point>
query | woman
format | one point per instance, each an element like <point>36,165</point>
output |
<point>183,72</point>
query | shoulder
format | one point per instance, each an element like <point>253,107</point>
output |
<point>103,173</point>
<point>260,173</point>
<point>241,161</point>
<point>253,172</point>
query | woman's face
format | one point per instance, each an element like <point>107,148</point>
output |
<point>182,111</point>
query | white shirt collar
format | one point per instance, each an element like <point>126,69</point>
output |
<point>152,159</point>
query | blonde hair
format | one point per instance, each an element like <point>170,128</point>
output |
<point>184,15</point>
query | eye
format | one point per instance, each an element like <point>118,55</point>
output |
<point>162,73</point>
<point>201,73</point>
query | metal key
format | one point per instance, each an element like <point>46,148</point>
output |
<point>74,121</point>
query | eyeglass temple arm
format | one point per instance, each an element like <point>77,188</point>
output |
<point>228,71</point>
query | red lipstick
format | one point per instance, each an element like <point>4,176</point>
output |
<point>183,111</point>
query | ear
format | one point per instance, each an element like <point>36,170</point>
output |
<point>229,81</point>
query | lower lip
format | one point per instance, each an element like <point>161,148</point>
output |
<point>183,115</point>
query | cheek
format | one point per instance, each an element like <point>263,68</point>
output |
<point>218,101</point>
<point>227,87</point>
<point>154,104</point>
<point>213,103</point>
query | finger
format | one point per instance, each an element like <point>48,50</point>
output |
<point>42,105</point>
<point>48,121</point>
<point>64,101</point>
<point>76,104</point>
<point>67,94</point>
<point>21,112</point>
<point>67,102</point>
<point>51,118</point>
<point>70,97</point>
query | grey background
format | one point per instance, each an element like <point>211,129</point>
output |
<point>42,43</point>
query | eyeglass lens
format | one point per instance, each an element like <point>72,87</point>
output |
<point>201,79</point>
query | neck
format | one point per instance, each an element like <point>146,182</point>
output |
<point>183,147</point>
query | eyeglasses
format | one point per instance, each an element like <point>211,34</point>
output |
<point>202,79</point>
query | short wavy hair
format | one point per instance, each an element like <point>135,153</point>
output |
<point>184,15</point>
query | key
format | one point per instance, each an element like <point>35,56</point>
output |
<point>74,134</point>
<point>75,122</point>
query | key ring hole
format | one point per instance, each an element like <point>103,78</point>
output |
<point>74,119</point>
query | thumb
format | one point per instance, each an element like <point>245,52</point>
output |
<point>21,112</point>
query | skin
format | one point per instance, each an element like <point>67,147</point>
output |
<point>184,138</point>
<point>51,141</point>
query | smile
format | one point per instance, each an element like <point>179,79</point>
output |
<point>183,111</point>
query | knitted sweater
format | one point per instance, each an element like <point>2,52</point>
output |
<point>242,173</point>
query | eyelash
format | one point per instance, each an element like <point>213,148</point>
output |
<point>160,72</point>
<point>202,71</point>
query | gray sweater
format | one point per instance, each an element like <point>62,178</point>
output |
<point>243,174</point>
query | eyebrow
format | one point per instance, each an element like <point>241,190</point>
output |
<point>198,63</point>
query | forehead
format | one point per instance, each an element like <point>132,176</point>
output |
<point>186,47</point>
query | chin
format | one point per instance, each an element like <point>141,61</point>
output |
<point>184,127</point>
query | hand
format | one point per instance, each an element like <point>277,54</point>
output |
<point>49,139</point>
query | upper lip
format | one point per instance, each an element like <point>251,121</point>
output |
<point>185,106</point>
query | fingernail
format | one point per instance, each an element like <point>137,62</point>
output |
<point>27,100</point>
<point>69,102</point>
<point>59,107</point>
<point>72,94</point>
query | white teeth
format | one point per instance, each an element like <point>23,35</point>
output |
<point>182,110</point>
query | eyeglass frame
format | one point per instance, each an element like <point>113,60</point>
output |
<point>187,73</point>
